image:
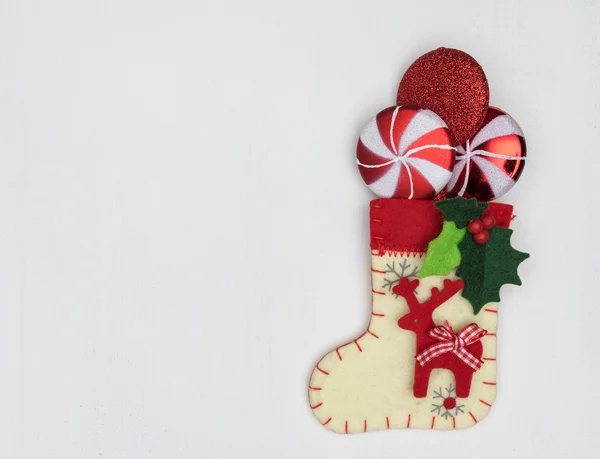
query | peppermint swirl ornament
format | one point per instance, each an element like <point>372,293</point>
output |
<point>490,163</point>
<point>405,152</point>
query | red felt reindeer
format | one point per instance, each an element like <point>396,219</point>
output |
<point>462,354</point>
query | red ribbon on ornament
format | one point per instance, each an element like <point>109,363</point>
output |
<point>452,342</point>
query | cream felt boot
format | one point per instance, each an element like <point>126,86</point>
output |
<point>370,382</point>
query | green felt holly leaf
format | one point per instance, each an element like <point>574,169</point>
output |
<point>442,253</point>
<point>487,267</point>
<point>461,210</point>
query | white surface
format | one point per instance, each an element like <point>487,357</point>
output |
<point>184,231</point>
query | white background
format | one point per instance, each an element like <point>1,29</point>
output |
<point>184,231</point>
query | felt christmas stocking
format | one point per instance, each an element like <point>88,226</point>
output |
<point>428,356</point>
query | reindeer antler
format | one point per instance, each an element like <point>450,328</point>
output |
<point>406,289</point>
<point>438,298</point>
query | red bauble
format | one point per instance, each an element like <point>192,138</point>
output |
<point>488,221</point>
<point>452,84</point>
<point>481,237</point>
<point>405,152</point>
<point>489,164</point>
<point>475,226</point>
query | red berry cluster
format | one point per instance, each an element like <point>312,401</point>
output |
<point>479,227</point>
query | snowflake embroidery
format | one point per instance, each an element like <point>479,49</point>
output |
<point>397,273</point>
<point>448,403</point>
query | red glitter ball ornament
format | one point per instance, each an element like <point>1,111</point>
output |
<point>452,84</point>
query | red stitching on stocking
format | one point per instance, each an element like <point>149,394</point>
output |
<point>358,346</point>
<point>338,353</point>
<point>408,422</point>
<point>489,383</point>
<point>365,425</point>
<point>327,422</point>
<point>378,293</point>
<point>377,271</point>
<point>485,403</point>
<point>346,426</point>
<point>321,370</point>
<point>315,388</point>
<point>454,423</point>
<point>411,251</point>
<point>377,315</point>
<point>387,422</point>
<point>489,359</point>
<point>372,334</point>
<point>473,417</point>
<point>317,406</point>
<point>432,422</point>
<point>491,310</point>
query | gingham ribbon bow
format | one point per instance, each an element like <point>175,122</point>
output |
<point>451,342</point>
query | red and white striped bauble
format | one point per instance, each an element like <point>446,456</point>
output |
<point>405,152</point>
<point>491,162</point>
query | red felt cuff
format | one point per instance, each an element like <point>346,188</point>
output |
<point>405,226</point>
